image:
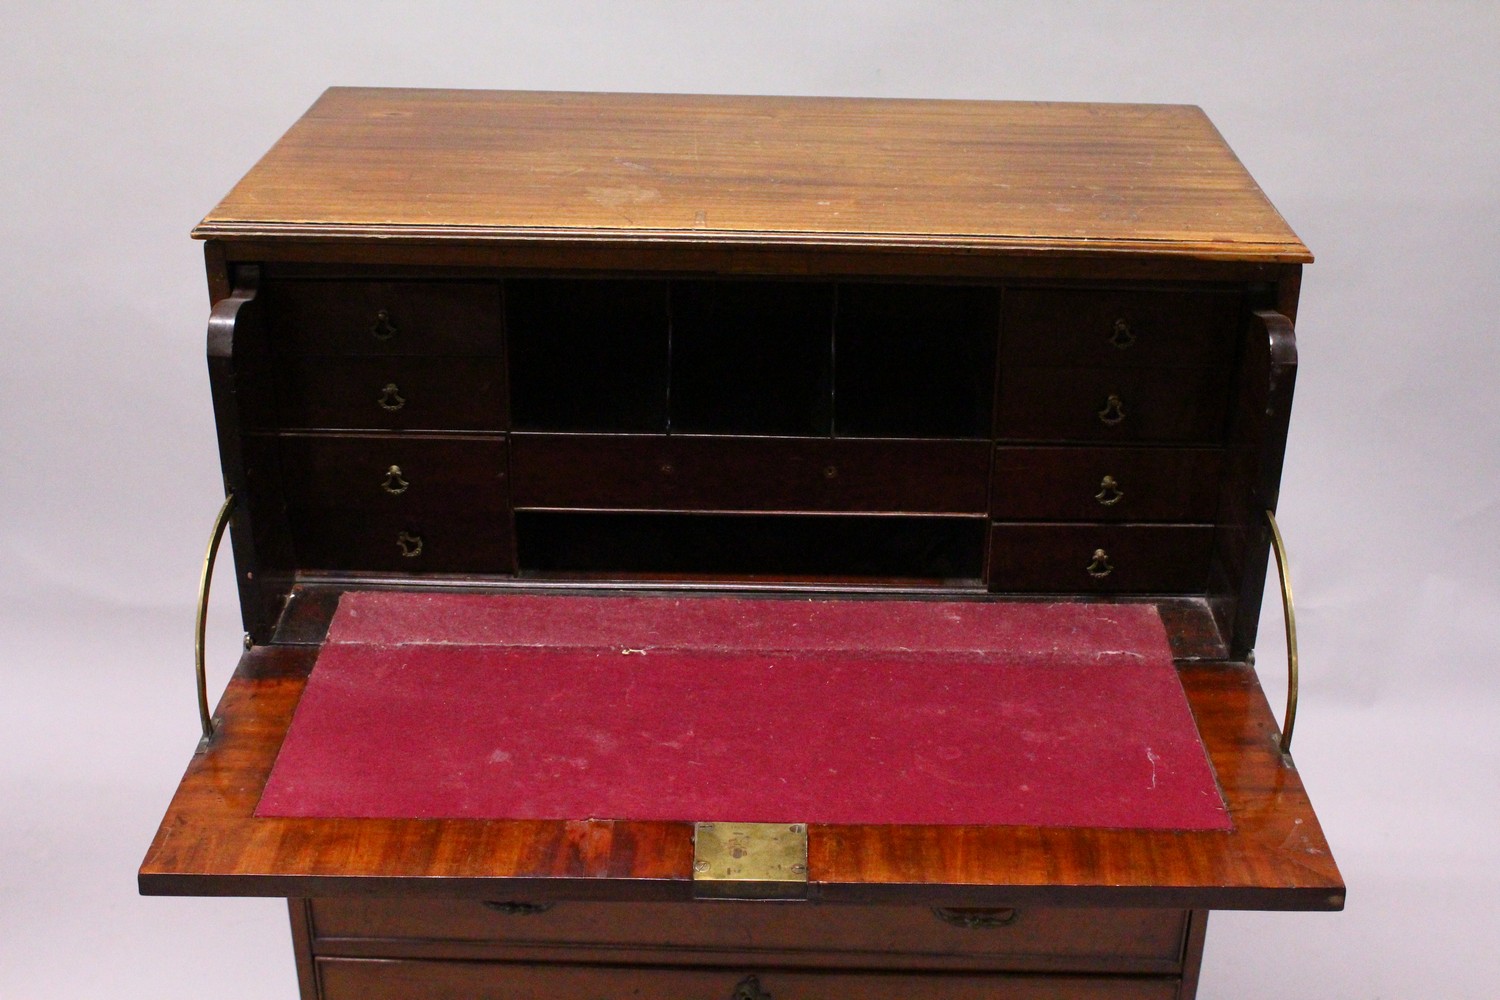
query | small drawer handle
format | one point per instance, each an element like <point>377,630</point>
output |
<point>394,483</point>
<point>1122,336</point>
<point>1113,412</point>
<point>1109,492</point>
<point>383,328</point>
<point>516,908</point>
<point>749,989</point>
<point>409,544</point>
<point>391,398</point>
<point>1100,566</point>
<point>976,920</point>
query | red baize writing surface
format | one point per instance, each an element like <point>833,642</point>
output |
<point>730,709</point>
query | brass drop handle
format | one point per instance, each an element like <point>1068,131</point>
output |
<point>1109,492</point>
<point>976,919</point>
<point>205,579</point>
<point>749,989</point>
<point>394,483</point>
<point>1100,566</point>
<point>383,328</point>
<point>409,544</point>
<point>391,398</point>
<point>516,908</point>
<point>1122,336</point>
<point>1113,412</point>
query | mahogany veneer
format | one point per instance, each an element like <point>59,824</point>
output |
<point>584,343</point>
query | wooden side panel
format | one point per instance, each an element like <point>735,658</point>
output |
<point>300,911</point>
<point>257,535</point>
<point>1252,481</point>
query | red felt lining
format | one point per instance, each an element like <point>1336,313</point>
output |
<point>525,707</point>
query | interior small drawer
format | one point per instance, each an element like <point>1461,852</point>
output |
<point>1120,327</point>
<point>394,473</point>
<point>1091,405</point>
<point>383,317</point>
<point>373,979</point>
<point>655,472</point>
<point>390,393</point>
<point>1140,941</point>
<point>1105,484</point>
<point>1100,558</point>
<point>346,540</point>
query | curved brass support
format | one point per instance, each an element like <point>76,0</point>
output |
<point>220,523</point>
<point>1290,719</point>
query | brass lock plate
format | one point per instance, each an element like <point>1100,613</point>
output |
<point>750,860</point>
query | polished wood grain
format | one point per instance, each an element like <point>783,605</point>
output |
<point>479,166</point>
<point>211,843</point>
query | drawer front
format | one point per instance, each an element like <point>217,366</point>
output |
<point>404,542</point>
<point>373,979</point>
<point>1099,558</point>
<point>1120,327</point>
<point>394,474</point>
<point>1113,405</point>
<point>1105,484</point>
<point>750,474</point>
<point>383,317</point>
<point>1140,941</point>
<point>391,393</point>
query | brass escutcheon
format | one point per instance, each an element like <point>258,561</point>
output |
<point>516,908</point>
<point>1122,337</point>
<point>391,398</point>
<point>383,329</point>
<point>409,544</point>
<point>394,483</point>
<point>1100,566</point>
<point>1113,412</point>
<point>974,918</point>
<point>749,989</point>
<point>1109,492</point>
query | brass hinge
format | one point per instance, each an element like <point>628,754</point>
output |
<point>750,860</point>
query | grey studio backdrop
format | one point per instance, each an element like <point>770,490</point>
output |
<point>1375,128</point>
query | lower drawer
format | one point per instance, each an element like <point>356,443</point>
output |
<point>394,473</point>
<point>389,393</point>
<point>1106,484</point>
<point>419,542</point>
<point>1086,940</point>
<point>685,472</point>
<point>1114,406</point>
<point>373,979</point>
<point>1100,558</point>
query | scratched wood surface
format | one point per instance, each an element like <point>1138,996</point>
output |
<point>210,843</point>
<point>498,166</point>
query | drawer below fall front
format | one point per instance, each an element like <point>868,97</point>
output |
<point>1100,558</point>
<point>442,541</point>
<point>374,979</point>
<point>1141,941</point>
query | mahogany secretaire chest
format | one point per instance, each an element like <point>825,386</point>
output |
<point>747,548</point>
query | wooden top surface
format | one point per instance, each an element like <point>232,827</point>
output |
<point>483,166</point>
<point>211,843</point>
